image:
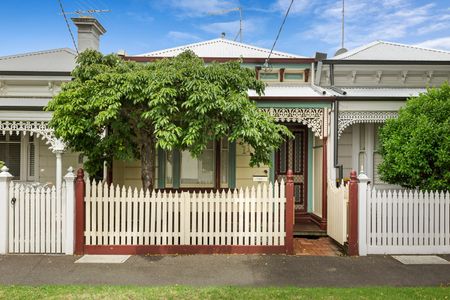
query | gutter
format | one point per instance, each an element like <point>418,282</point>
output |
<point>384,62</point>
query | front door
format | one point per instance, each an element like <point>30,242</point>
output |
<point>292,156</point>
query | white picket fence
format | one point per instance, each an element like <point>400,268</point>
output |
<point>36,219</point>
<point>408,222</point>
<point>122,216</point>
<point>337,212</point>
<point>402,222</point>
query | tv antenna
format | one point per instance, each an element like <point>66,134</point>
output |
<point>343,23</point>
<point>342,49</point>
<point>225,11</point>
<point>87,12</point>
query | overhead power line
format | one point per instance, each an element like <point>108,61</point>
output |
<point>279,32</point>
<point>68,25</point>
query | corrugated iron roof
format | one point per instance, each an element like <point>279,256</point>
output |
<point>59,60</point>
<point>377,92</point>
<point>287,90</point>
<point>221,48</point>
<point>382,50</point>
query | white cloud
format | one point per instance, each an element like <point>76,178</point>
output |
<point>439,43</point>
<point>367,20</point>
<point>182,36</point>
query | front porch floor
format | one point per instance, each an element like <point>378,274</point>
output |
<point>316,246</point>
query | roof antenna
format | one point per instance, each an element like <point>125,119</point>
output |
<point>342,49</point>
<point>225,11</point>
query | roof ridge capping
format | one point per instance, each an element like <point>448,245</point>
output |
<point>415,47</point>
<point>384,54</point>
<point>38,53</point>
<point>192,46</point>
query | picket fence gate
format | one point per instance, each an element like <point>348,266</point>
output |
<point>36,219</point>
<point>117,215</point>
<point>407,222</point>
<point>337,212</point>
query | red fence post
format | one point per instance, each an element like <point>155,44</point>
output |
<point>290,215</point>
<point>353,215</point>
<point>79,212</point>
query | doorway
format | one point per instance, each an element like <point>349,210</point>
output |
<point>292,155</point>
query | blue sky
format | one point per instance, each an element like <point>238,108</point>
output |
<point>140,26</point>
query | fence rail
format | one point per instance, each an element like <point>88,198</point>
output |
<point>123,216</point>
<point>407,222</point>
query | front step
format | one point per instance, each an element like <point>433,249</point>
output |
<point>308,229</point>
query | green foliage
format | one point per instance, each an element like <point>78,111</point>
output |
<point>416,146</point>
<point>176,103</point>
<point>2,164</point>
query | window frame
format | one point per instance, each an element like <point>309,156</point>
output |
<point>217,180</point>
<point>24,163</point>
<point>273,71</point>
<point>294,71</point>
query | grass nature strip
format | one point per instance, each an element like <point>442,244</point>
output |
<point>183,292</point>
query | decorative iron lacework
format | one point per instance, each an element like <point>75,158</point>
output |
<point>347,118</point>
<point>40,129</point>
<point>314,118</point>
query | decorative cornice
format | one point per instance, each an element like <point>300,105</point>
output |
<point>40,129</point>
<point>347,118</point>
<point>314,118</point>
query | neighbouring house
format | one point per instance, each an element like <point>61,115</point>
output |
<point>370,84</point>
<point>290,97</point>
<point>27,83</point>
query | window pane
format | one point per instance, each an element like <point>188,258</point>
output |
<point>377,137</point>
<point>362,137</point>
<point>362,161</point>
<point>31,159</point>
<point>169,169</point>
<point>224,164</point>
<point>268,76</point>
<point>198,172</point>
<point>13,137</point>
<point>377,159</point>
<point>293,76</point>
<point>10,153</point>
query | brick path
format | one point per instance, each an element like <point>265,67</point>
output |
<point>322,246</point>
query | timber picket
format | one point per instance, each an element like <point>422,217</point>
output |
<point>126,217</point>
<point>337,212</point>
<point>36,219</point>
<point>408,222</point>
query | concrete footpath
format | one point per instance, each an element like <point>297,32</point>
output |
<point>220,270</point>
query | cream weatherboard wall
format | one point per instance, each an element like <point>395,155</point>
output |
<point>245,173</point>
<point>128,173</point>
<point>47,163</point>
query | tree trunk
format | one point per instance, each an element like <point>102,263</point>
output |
<point>147,161</point>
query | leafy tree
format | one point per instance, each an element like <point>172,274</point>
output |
<point>116,109</point>
<point>416,146</point>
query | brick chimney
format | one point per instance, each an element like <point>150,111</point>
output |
<point>89,32</point>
